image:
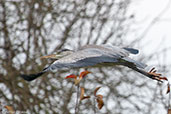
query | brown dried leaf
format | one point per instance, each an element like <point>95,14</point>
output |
<point>82,93</point>
<point>100,101</point>
<point>85,97</point>
<point>169,111</point>
<point>95,91</point>
<point>84,73</point>
<point>71,76</point>
<point>82,97</point>
<point>99,96</point>
<point>168,88</point>
<point>81,76</point>
<point>10,109</point>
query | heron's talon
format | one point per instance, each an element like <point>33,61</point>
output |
<point>156,76</point>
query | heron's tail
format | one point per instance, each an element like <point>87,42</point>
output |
<point>31,77</point>
<point>130,62</point>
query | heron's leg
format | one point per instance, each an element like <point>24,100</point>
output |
<point>151,74</point>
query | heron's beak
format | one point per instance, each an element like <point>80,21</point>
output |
<point>53,56</point>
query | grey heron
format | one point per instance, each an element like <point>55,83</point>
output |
<point>94,56</point>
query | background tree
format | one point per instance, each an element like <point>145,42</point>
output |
<point>32,28</point>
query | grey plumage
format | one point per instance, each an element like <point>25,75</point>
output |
<point>93,56</point>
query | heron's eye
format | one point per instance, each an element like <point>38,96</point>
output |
<point>63,50</point>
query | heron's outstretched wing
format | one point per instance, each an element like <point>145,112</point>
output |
<point>85,62</point>
<point>122,50</point>
<point>93,55</point>
<point>111,50</point>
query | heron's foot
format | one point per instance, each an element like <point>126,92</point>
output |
<point>156,76</point>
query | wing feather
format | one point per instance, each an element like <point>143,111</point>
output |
<point>86,62</point>
<point>91,55</point>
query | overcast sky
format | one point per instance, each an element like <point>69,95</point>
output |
<point>159,35</point>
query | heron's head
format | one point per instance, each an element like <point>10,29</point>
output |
<point>59,54</point>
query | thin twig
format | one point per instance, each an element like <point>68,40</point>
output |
<point>169,100</point>
<point>76,106</point>
<point>94,100</point>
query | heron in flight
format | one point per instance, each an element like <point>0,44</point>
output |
<point>94,56</point>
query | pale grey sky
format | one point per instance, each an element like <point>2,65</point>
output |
<point>159,35</point>
<point>145,11</point>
